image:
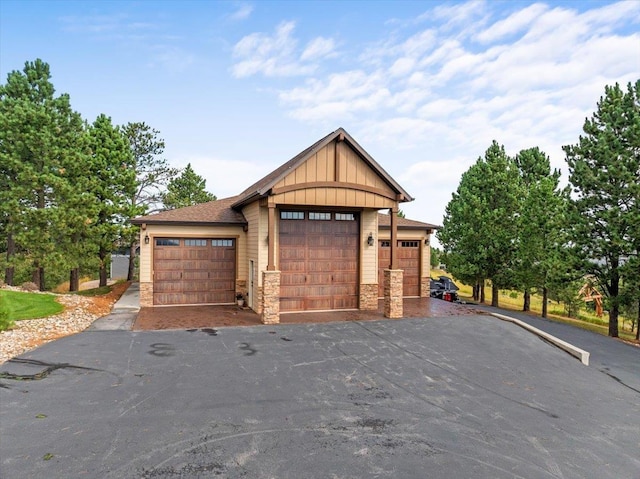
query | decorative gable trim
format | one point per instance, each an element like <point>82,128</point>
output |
<point>265,186</point>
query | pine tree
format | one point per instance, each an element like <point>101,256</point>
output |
<point>480,223</point>
<point>541,226</point>
<point>112,183</point>
<point>186,190</point>
<point>152,175</point>
<point>39,135</point>
<point>604,171</point>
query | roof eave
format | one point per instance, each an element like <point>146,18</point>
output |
<point>248,199</point>
<point>410,227</point>
<point>188,223</point>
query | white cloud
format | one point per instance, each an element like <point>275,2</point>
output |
<point>438,89</point>
<point>318,48</point>
<point>512,24</point>
<point>243,12</point>
<point>277,55</point>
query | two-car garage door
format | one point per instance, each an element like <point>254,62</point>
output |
<point>194,271</point>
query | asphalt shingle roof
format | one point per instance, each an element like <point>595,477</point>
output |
<point>217,212</point>
<point>384,221</point>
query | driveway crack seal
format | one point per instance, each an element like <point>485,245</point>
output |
<point>49,368</point>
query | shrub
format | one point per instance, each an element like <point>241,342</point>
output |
<point>29,286</point>
<point>5,321</point>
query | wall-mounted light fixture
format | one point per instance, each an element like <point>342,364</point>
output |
<point>426,242</point>
<point>146,239</point>
<point>370,239</point>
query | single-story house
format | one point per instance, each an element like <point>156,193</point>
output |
<point>309,236</point>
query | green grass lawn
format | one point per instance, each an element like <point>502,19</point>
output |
<point>19,305</point>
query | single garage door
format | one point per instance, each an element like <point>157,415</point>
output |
<point>318,260</point>
<point>408,261</point>
<point>194,271</point>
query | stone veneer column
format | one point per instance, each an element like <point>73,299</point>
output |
<point>146,295</point>
<point>425,287</point>
<point>393,293</point>
<point>270,297</point>
<point>368,297</point>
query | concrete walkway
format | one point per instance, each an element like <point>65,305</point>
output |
<point>123,314</point>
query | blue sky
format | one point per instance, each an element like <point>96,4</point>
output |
<point>238,88</point>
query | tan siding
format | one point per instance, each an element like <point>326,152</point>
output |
<point>369,258</point>
<point>263,251</point>
<point>250,212</point>
<point>145,258</point>
<point>426,258</point>
<point>257,218</point>
<point>333,197</point>
<point>321,167</point>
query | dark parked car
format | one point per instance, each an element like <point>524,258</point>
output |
<point>444,288</point>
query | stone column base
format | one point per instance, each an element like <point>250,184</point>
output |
<point>393,305</point>
<point>270,297</point>
<point>368,297</point>
<point>425,287</point>
<point>146,295</point>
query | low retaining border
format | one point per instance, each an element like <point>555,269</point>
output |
<point>581,354</point>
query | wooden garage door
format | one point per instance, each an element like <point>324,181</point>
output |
<point>408,261</point>
<point>194,271</point>
<point>318,260</point>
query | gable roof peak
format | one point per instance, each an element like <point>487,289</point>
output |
<point>262,187</point>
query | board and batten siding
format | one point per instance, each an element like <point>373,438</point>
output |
<point>369,255</point>
<point>326,180</point>
<point>145,258</point>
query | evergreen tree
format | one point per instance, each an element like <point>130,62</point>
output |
<point>186,190</point>
<point>480,223</point>
<point>604,171</point>
<point>152,175</point>
<point>112,184</point>
<point>39,135</point>
<point>541,225</point>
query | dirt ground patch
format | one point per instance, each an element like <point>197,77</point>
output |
<point>188,317</point>
<point>101,305</point>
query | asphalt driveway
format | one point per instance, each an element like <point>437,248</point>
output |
<point>467,396</point>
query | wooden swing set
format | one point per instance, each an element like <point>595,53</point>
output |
<point>588,293</point>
